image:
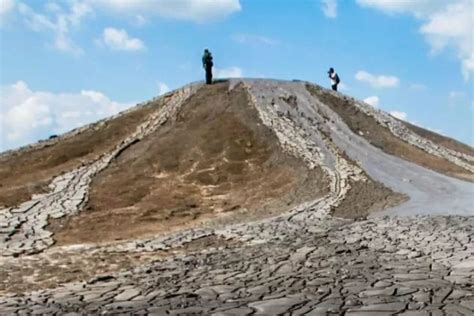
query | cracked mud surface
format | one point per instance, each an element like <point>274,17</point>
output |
<point>302,261</point>
<point>369,267</point>
<point>77,263</point>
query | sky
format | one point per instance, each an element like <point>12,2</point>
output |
<point>66,63</point>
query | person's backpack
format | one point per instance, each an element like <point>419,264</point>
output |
<point>208,60</point>
<point>337,79</point>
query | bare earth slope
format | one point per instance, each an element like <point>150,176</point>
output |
<point>29,171</point>
<point>441,140</point>
<point>215,159</point>
<point>247,197</point>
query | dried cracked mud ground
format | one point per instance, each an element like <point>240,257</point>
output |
<point>303,178</point>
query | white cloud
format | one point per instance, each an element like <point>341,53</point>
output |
<point>190,10</point>
<point>445,24</point>
<point>27,116</point>
<point>329,8</point>
<point>61,18</point>
<point>231,72</point>
<point>254,39</point>
<point>373,101</point>
<point>57,22</point>
<point>399,115</point>
<point>377,81</point>
<point>162,88</point>
<point>6,6</point>
<point>119,39</point>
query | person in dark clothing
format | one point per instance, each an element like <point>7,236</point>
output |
<point>334,78</point>
<point>207,64</point>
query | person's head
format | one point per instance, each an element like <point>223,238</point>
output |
<point>331,70</point>
<point>206,50</point>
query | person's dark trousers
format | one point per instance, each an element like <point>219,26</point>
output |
<point>208,75</point>
<point>334,87</point>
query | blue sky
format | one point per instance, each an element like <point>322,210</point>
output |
<point>67,63</point>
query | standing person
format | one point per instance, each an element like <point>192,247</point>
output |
<point>207,64</point>
<point>334,78</point>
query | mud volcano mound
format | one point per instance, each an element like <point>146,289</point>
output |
<point>242,197</point>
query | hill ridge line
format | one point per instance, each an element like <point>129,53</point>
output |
<point>396,128</point>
